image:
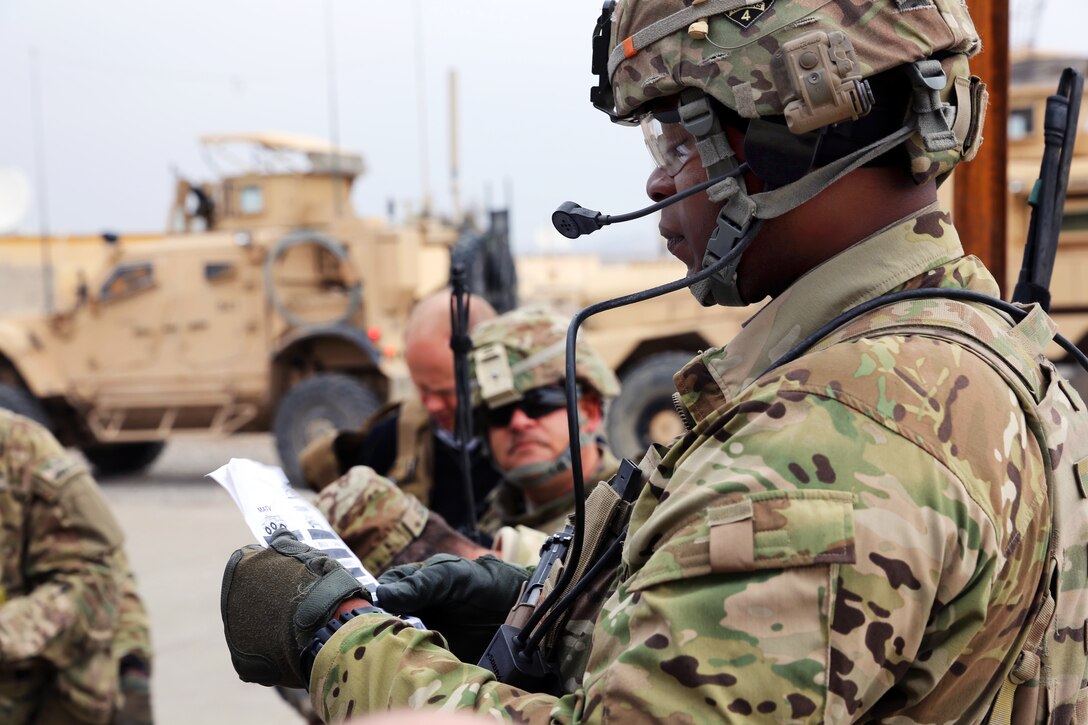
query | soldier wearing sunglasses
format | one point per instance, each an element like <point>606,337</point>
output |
<point>521,415</point>
<point>521,409</point>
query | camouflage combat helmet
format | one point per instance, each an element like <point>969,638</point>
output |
<point>798,74</point>
<point>525,349</point>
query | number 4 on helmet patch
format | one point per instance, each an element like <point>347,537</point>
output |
<point>745,16</point>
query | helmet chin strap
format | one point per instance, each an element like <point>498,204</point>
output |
<point>722,288</point>
<point>534,475</point>
<point>741,215</point>
<point>734,229</point>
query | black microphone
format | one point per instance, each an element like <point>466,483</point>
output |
<point>572,220</point>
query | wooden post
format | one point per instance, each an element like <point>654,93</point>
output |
<point>980,193</point>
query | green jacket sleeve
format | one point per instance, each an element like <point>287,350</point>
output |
<point>70,604</point>
<point>791,563</point>
<point>133,638</point>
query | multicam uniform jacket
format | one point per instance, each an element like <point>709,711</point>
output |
<point>855,536</point>
<point>61,588</point>
<point>133,638</point>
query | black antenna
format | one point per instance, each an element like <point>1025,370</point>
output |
<point>1047,198</point>
<point>461,258</point>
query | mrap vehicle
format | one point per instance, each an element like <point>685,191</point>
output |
<point>268,305</point>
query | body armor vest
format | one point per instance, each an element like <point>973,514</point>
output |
<point>1048,681</point>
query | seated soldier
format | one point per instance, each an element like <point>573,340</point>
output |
<point>411,442</point>
<point>525,421</point>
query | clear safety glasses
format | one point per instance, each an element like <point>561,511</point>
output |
<point>670,145</point>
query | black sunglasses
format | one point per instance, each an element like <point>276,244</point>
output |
<point>536,403</point>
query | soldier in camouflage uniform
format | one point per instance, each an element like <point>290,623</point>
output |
<point>879,517</point>
<point>527,440</point>
<point>71,624</point>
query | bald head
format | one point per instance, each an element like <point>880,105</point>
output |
<point>431,316</point>
<point>427,352</point>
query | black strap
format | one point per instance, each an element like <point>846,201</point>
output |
<point>323,635</point>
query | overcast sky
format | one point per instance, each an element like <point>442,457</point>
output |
<point>127,86</point>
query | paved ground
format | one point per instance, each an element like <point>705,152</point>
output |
<point>180,529</point>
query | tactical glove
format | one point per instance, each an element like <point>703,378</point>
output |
<point>273,601</point>
<point>464,600</point>
<point>328,457</point>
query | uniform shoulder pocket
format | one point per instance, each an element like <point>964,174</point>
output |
<point>51,476</point>
<point>66,484</point>
<point>765,530</point>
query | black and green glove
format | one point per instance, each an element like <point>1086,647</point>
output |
<point>273,601</point>
<point>464,600</point>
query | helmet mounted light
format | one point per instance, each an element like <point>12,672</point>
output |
<point>822,72</point>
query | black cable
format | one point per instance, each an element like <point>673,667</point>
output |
<point>605,560</point>
<point>573,431</point>
<point>1017,313</point>
<point>679,196</point>
<point>460,260</point>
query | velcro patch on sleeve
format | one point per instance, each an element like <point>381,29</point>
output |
<point>52,475</point>
<point>766,530</point>
<point>798,528</point>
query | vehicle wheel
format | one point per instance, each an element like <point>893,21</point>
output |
<point>19,400</point>
<point>116,459</point>
<point>643,413</point>
<point>326,402</point>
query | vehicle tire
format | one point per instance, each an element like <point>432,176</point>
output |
<point>320,404</point>
<point>644,413</point>
<point>19,400</point>
<point>116,459</point>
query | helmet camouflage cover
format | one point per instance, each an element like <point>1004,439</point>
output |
<point>774,58</point>
<point>525,349</point>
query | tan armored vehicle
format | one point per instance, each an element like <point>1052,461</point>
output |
<point>268,306</point>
